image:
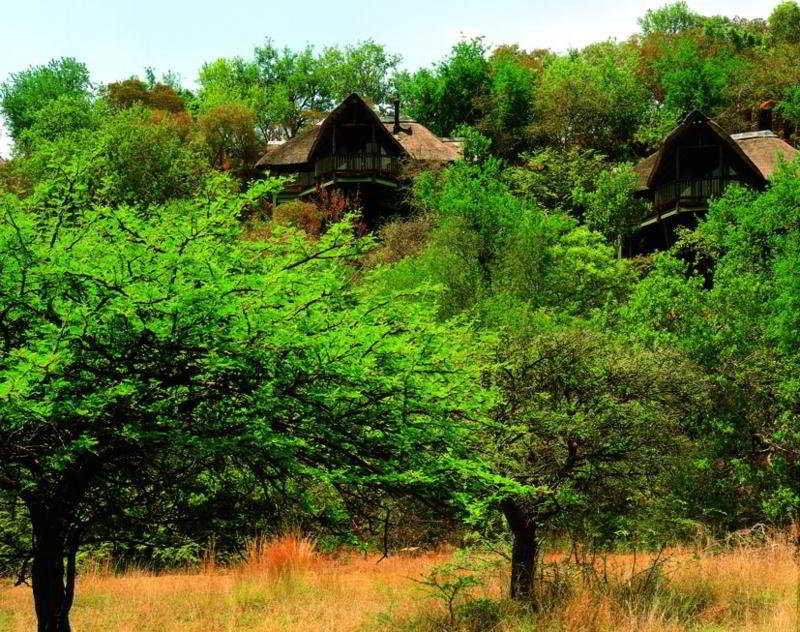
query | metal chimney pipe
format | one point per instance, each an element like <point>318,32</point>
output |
<point>396,129</point>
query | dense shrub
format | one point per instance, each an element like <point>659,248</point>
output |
<point>229,132</point>
<point>400,239</point>
<point>145,160</point>
<point>298,214</point>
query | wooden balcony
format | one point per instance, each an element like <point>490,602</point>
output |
<point>357,166</point>
<point>689,193</point>
<point>344,168</point>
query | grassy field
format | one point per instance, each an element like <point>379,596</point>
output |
<point>285,586</point>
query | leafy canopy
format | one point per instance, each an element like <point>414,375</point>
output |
<point>27,92</point>
<point>784,22</point>
<point>592,99</point>
<point>146,354</point>
<point>693,81</point>
<point>670,19</point>
<point>491,248</point>
<point>288,89</point>
<point>446,96</point>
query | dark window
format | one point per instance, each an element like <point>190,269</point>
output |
<point>699,162</point>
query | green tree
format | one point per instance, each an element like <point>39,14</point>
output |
<point>136,156</point>
<point>587,425</point>
<point>508,107</point>
<point>742,331</point>
<point>592,99</point>
<point>738,33</point>
<point>144,353</point>
<point>27,92</point>
<point>767,73</point>
<point>144,159</point>
<point>290,89</point>
<point>657,123</point>
<point>549,177</point>
<point>475,145</point>
<point>693,81</point>
<point>295,80</point>
<point>612,208</point>
<point>365,68</point>
<point>790,104</point>
<point>670,19</point>
<point>236,81</point>
<point>229,132</point>
<point>784,22</point>
<point>449,94</point>
<point>158,96</point>
<point>65,117</point>
<point>491,249</point>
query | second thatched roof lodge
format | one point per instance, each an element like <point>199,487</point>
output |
<point>695,163</point>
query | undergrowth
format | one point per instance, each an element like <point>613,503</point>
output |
<point>287,585</point>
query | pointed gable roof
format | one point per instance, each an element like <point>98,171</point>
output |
<point>759,151</point>
<point>414,140</point>
<point>691,123</point>
<point>354,100</point>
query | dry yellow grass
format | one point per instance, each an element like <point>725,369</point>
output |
<point>285,586</point>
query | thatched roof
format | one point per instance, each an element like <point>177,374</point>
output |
<point>644,168</point>
<point>766,150</point>
<point>761,151</point>
<point>421,143</point>
<point>294,151</point>
<point>414,140</point>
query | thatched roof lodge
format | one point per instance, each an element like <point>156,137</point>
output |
<point>354,145</point>
<point>695,163</point>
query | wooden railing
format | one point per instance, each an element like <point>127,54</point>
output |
<point>346,165</point>
<point>689,192</point>
<point>352,165</point>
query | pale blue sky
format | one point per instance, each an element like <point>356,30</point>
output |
<point>117,38</point>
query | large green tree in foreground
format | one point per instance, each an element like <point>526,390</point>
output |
<point>140,355</point>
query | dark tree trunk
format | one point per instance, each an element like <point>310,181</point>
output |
<point>523,566</point>
<point>53,583</point>
<point>524,552</point>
